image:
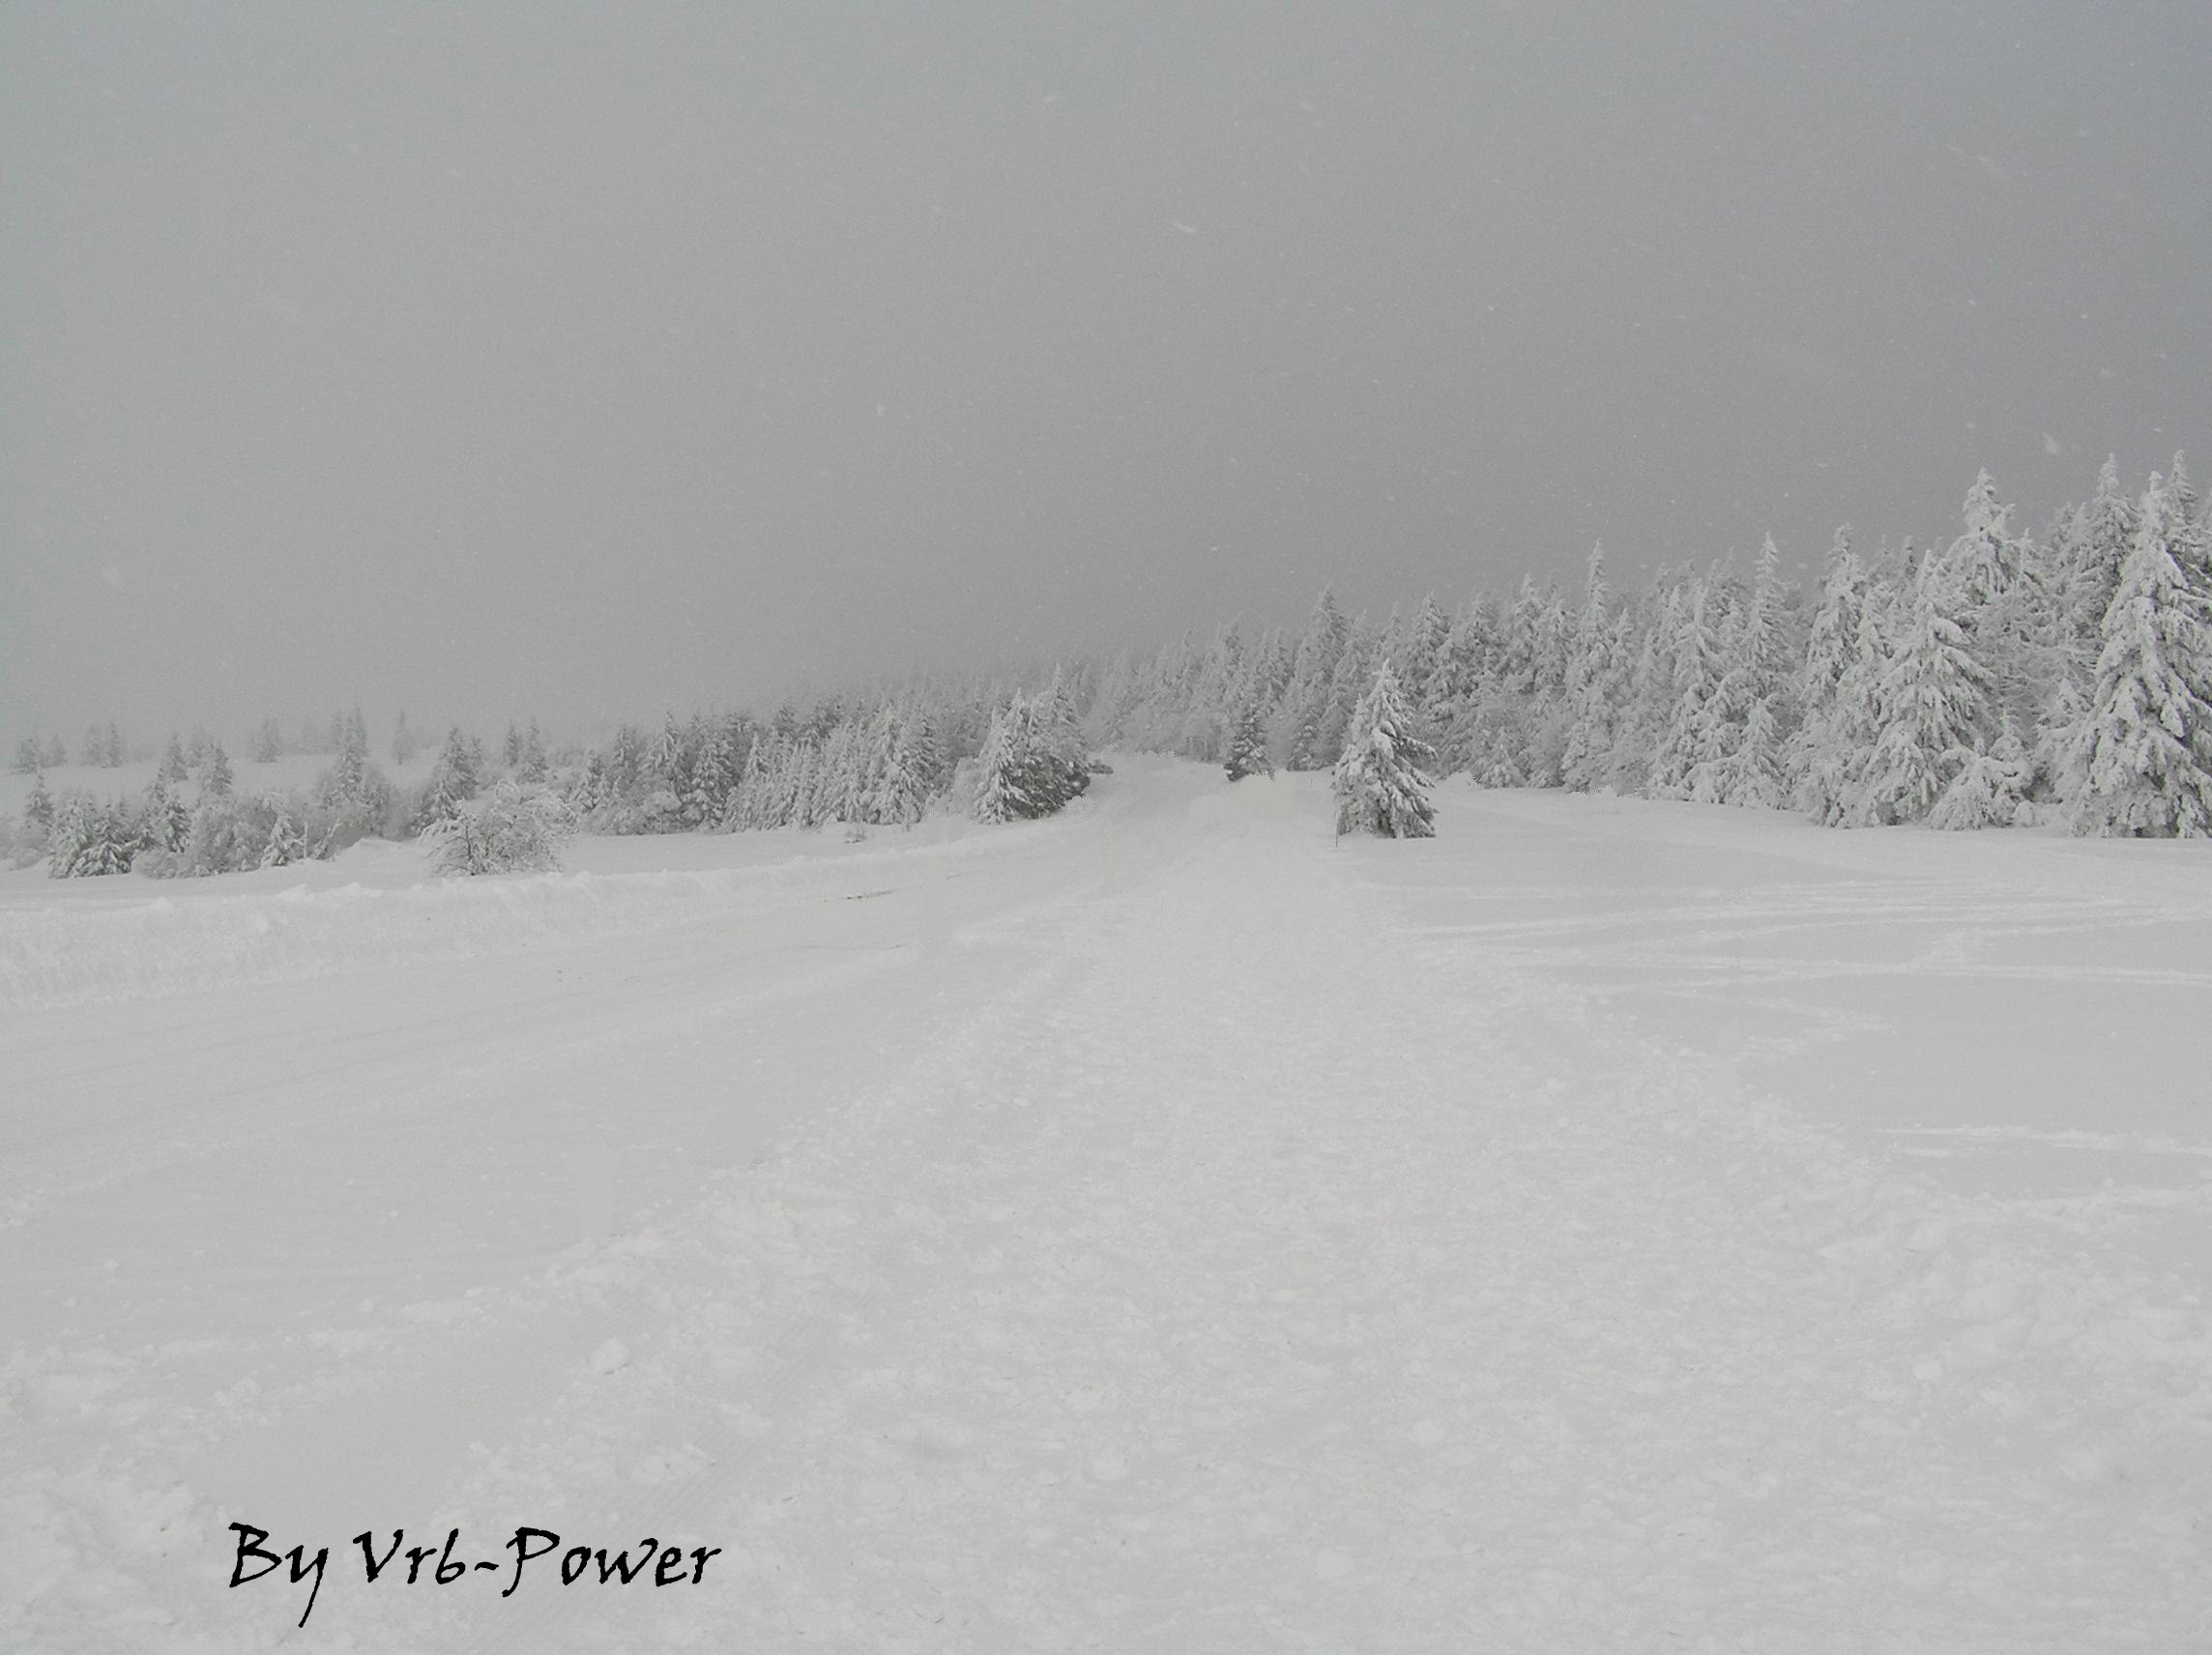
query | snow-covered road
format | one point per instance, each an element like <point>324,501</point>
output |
<point>1156,1228</point>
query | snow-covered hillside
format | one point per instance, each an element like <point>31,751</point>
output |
<point>1606,1225</point>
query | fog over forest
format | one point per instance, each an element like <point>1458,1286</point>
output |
<point>494,362</point>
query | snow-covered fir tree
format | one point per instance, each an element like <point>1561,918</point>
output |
<point>2146,763</point>
<point>455,779</point>
<point>1933,707</point>
<point>1379,783</point>
<point>215,779</point>
<point>1247,738</point>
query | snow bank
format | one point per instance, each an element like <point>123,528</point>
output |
<point>67,952</point>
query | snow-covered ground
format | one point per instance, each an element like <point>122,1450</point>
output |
<point>1608,1224</point>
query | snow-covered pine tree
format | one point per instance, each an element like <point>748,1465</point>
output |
<point>1751,706</point>
<point>38,808</point>
<point>164,823</point>
<point>215,775</point>
<point>1301,733</point>
<point>1247,738</point>
<point>1989,789</point>
<point>174,772</point>
<point>1691,736</point>
<point>2188,510</point>
<point>455,779</point>
<point>1065,760</point>
<point>1817,761</point>
<point>530,761</point>
<point>844,782</point>
<point>2147,743</point>
<point>27,756</point>
<point>713,774</point>
<point>1933,706</point>
<point>1597,701</point>
<point>998,795</point>
<point>2101,537</point>
<point>1220,670</point>
<point>2003,610</point>
<point>1463,675</point>
<point>1646,698</point>
<point>1346,687</point>
<point>1378,781</point>
<point>72,829</point>
<point>901,793</point>
<point>1421,665</point>
<point>285,844</point>
<point>1596,680</point>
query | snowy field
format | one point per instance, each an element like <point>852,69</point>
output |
<point>1607,1226</point>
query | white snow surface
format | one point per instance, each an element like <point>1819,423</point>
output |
<point>1608,1224</point>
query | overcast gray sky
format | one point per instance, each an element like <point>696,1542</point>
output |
<point>588,361</point>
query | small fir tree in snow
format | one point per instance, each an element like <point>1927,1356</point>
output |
<point>1988,790</point>
<point>2147,744</point>
<point>1378,781</point>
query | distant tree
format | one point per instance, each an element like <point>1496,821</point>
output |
<point>1379,783</point>
<point>531,763</point>
<point>405,743</point>
<point>1247,741</point>
<point>164,823</point>
<point>268,743</point>
<point>39,808</point>
<point>214,774</point>
<point>456,777</point>
<point>28,757</point>
<point>1302,718</point>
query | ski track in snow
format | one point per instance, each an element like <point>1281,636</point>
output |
<point>1212,1252</point>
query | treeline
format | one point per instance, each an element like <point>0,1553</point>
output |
<point>2003,679</point>
<point>104,746</point>
<point>885,762</point>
